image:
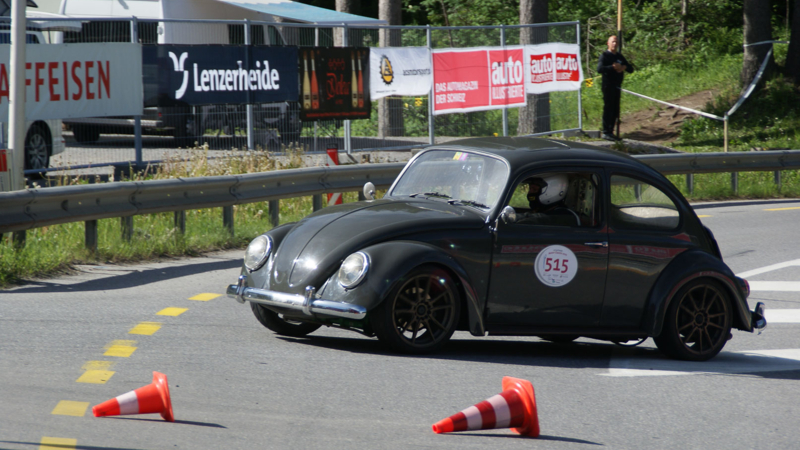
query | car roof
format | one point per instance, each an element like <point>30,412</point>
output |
<point>523,152</point>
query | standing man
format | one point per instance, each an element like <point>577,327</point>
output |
<point>612,66</point>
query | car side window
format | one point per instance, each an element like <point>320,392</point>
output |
<point>638,205</point>
<point>566,199</point>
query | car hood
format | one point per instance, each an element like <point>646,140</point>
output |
<point>315,247</point>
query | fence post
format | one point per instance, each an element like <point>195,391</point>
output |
<point>316,202</point>
<point>778,179</point>
<point>126,224</point>
<point>505,110</point>
<point>580,86</point>
<point>180,221</point>
<point>690,183</point>
<point>249,107</point>
<point>316,122</point>
<point>227,218</point>
<point>347,143</point>
<point>137,120</point>
<point>725,128</point>
<point>735,182</point>
<point>274,212</point>
<point>90,235</point>
<point>431,97</point>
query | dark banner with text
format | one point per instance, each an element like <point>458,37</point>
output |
<point>335,83</point>
<point>179,75</point>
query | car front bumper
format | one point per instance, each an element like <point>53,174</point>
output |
<point>307,304</point>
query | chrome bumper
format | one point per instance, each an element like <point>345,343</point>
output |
<point>307,304</point>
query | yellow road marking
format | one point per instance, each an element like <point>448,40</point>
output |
<point>172,311</point>
<point>54,443</point>
<point>204,297</point>
<point>703,216</point>
<point>146,328</point>
<point>70,408</point>
<point>123,349</point>
<point>96,372</point>
<point>782,209</point>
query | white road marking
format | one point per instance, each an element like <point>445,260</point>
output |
<point>775,286</point>
<point>761,270</point>
<point>724,363</point>
<point>782,316</point>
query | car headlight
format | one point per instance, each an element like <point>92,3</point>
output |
<point>354,269</point>
<point>257,253</point>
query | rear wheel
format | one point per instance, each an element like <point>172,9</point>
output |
<point>37,148</point>
<point>281,325</point>
<point>698,322</point>
<point>421,314</point>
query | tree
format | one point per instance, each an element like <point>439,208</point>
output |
<point>534,118</point>
<point>757,28</point>
<point>793,58</point>
<point>390,110</point>
<point>345,6</point>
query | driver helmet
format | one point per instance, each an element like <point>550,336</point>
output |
<point>552,189</point>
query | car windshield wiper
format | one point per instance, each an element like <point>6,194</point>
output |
<point>431,194</point>
<point>468,202</point>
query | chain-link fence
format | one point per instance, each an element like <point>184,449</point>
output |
<point>395,122</point>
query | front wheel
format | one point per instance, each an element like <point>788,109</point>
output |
<point>280,325</point>
<point>420,314</point>
<point>698,322</point>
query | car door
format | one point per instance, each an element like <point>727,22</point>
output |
<point>551,274</point>
<point>645,235</point>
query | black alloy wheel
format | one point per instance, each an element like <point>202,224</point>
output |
<point>281,325</point>
<point>421,314</point>
<point>37,148</point>
<point>698,322</point>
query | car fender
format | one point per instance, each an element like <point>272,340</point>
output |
<point>389,262</point>
<point>686,267</point>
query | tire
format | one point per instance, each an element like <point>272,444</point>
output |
<point>181,133</point>
<point>38,147</point>
<point>86,134</point>
<point>420,314</point>
<point>559,339</point>
<point>701,309</point>
<point>279,325</point>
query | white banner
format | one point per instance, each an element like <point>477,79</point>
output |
<point>552,67</point>
<point>77,80</point>
<point>399,71</point>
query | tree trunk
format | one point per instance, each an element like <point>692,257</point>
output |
<point>757,28</point>
<point>534,118</point>
<point>793,58</point>
<point>345,6</point>
<point>390,110</point>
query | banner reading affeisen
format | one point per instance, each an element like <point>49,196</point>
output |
<point>478,79</point>
<point>399,71</point>
<point>552,67</point>
<point>76,80</point>
<point>335,83</point>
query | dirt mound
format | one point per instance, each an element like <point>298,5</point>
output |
<point>660,123</point>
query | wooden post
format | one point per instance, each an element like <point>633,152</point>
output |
<point>90,235</point>
<point>227,218</point>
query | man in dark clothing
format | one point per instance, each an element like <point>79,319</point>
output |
<point>612,66</point>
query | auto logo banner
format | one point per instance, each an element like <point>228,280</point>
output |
<point>399,71</point>
<point>179,75</point>
<point>76,80</point>
<point>335,83</point>
<point>552,67</point>
<point>478,79</point>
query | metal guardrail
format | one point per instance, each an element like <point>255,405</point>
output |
<point>32,208</point>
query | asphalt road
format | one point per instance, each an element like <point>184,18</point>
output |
<point>66,345</point>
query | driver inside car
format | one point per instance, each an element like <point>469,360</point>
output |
<point>546,196</point>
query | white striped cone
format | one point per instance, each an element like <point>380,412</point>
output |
<point>153,398</point>
<point>514,408</point>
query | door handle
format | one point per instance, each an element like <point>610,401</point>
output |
<point>597,244</point>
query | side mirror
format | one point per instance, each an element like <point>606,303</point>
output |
<point>508,215</point>
<point>369,190</point>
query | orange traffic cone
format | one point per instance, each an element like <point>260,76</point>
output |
<point>514,408</point>
<point>153,398</point>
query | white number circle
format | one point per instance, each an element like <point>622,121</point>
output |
<point>556,266</point>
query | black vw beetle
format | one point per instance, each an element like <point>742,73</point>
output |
<point>505,236</point>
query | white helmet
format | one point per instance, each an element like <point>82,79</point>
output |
<point>554,189</point>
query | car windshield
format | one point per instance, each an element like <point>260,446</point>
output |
<point>456,177</point>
